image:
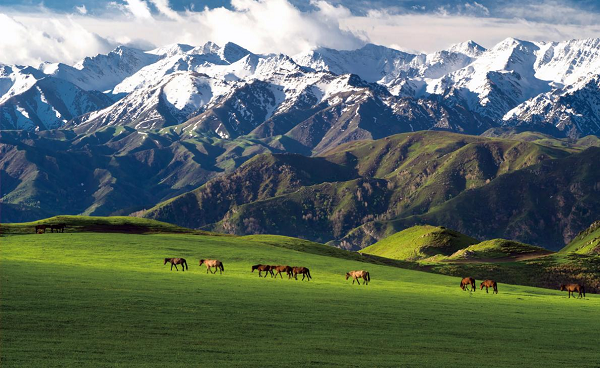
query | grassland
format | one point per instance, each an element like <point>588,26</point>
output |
<point>105,299</point>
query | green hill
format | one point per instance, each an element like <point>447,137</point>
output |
<point>498,250</point>
<point>122,224</point>
<point>586,242</point>
<point>420,242</point>
<point>367,185</point>
<point>106,299</point>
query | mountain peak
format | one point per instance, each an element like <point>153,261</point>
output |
<point>469,48</point>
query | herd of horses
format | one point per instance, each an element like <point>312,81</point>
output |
<point>466,284</point>
<point>274,271</point>
<point>41,229</point>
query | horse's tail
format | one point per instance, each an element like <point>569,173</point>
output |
<point>583,290</point>
<point>222,268</point>
<point>185,263</point>
<point>308,273</point>
<point>368,276</point>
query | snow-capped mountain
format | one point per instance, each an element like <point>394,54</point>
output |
<point>177,58</point>
<point>102,72</point>
<point>230,91</point>
<point>49,103</point>
<point>167,102</point>
<point>575,110</point>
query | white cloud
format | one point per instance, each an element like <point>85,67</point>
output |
<point>47,39</point>
<point>164,8</point>
<point>139,9</point>
<point>270,26</point>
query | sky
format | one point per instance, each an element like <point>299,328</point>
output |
<point>33,31</point>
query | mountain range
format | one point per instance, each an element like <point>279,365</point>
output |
<point>128,131</point>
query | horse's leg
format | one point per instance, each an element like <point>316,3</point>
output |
<point>176,269</point>
<point>358,282</point>
<point>171,266</point>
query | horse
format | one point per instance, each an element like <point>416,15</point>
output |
<point>287,269</point>
<point>218,265</point>
<point>489,284</point>
<point>261,267</point>
<point>572,288</point>
<point>177,261</point>
<point>41,227</point>
<point>60,228</point>
<point>304,271</point>
<point>464,283</point>
<point>358,274</point>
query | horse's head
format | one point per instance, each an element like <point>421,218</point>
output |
<point>481,286</point>
<point>254,267</point>
<point>347,275</point>
<point>562,287</point>
<point>166,260</point>
<point>201,261</point>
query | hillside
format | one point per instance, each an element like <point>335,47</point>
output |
<point>420,242</point>
<point>380,187</point>
<point>546,205</point>
<point>586,242</point>
<point>127,307</point>
<point>497,250</point>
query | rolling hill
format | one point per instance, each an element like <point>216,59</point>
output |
<point>384,186</point>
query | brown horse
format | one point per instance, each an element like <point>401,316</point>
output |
<point>572,288</point>
<point>279,269</point>
<point>464,283</point>
<point>304,271</point>
<point>489,284</point>
<point>218,265</point>
<point>60,228</point>
<point>40,228</point>
<point>263,268</point>
<point>175,262</point>
<point>358,274</point>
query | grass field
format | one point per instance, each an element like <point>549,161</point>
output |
<point>105,299</point>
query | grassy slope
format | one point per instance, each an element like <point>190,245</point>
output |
<point>586,242</point>
<point>498,249</point>
<point>105,299</point>
<point>123,224</point>
<point>420,242</point>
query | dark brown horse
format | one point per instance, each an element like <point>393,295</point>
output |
<point>464,283</point>
<point>263,268</point>
<point>279,269</point>
<point>489,284</point>
<point>60,228</point>
<point>41,228</point>
<point>572,288</point>
<point>358,274</point>
<point>304,271</point>
<point>218,265</point>
<point>175,262</point>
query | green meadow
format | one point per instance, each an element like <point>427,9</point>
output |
<point>106,300</point>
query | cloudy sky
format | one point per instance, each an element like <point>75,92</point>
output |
<point>32,31</point>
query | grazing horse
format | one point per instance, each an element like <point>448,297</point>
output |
<point>464,283</point>
<point>175,262</point>
<point>261,267</point>
<point>218,265</point>
<point>60,228</point>
<point>39,228</point>
<point>304,271</point>
<point>572,288</point>
<point>489,284</point>
<point>358,274</point>
<point>279,269</point>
